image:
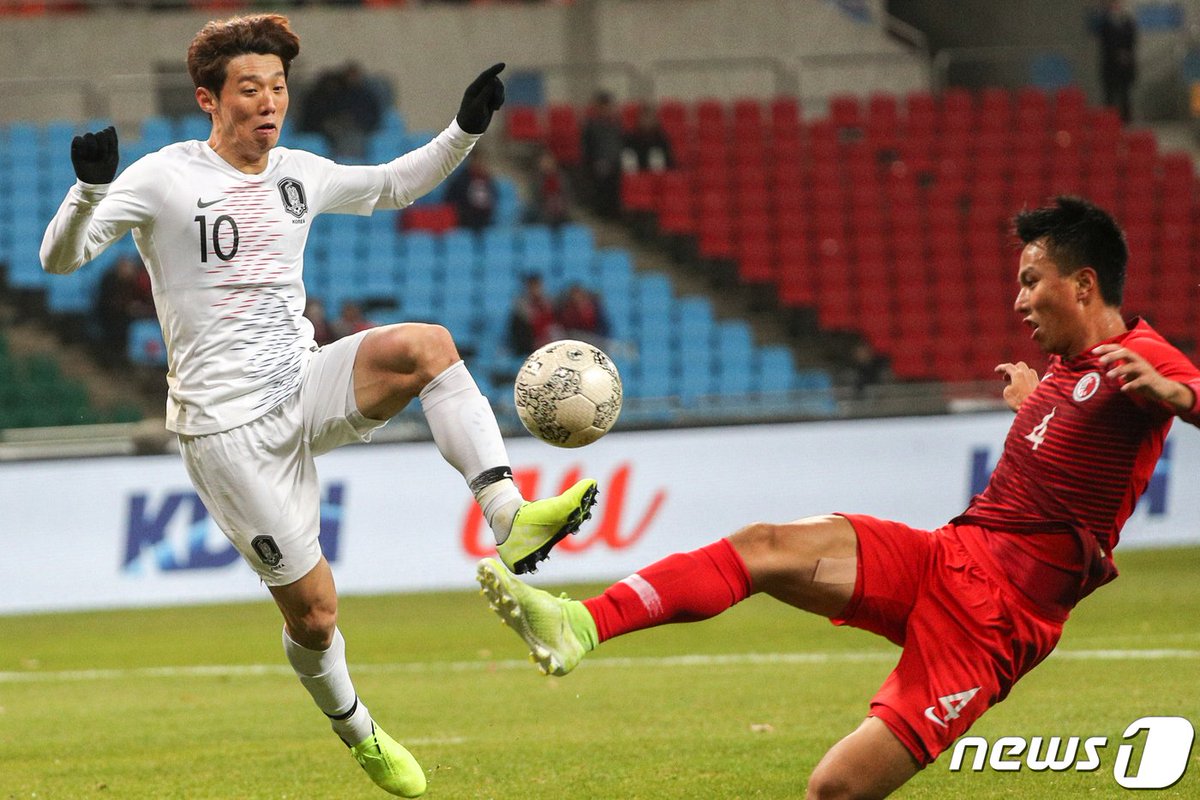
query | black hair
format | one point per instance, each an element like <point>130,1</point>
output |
<point>1079,234</point>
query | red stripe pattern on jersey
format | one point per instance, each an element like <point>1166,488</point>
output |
<point>1080,451</point>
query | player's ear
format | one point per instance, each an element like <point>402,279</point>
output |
<point>206,100</point>
<point>1086,282</point>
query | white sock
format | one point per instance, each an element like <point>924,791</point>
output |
<point>327,678</point>
<point>465,431</point>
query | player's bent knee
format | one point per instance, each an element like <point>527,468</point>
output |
<point>417,350</point>
<point>313,627</point>
<point>806,539</point>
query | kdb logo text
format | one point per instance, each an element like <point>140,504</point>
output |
<point>1164,752</point>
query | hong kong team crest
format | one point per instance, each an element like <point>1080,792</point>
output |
<point>1086,387</point>
<point>292,192</point>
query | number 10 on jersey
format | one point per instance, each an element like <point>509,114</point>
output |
<point>223,237</point>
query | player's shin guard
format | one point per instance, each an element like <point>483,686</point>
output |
<point>465,431</point>
<point>325,675</point>
<point>684,587</point>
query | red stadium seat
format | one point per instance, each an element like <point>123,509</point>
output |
<point>785,116</point>
<point>434,217</point>
<point>639,190</point>
<point>563,134</point>
<point>957,111</point>
<point>844,111</point>
<point>522,124</point>
<point>630,112</point>
<point>795,279</point>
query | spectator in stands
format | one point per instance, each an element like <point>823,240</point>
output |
<point>314,311</point>
<point>602,143</point>
<point>551,193</point>
<point>867,369</point>
<point>533,321</point>
<point>647,148</point>
<point>123,295</point>
<point>1117,31</point>
<point>581,316</point>
<point>343,107</point>
<point>351,321</point>
<point>473,192</point>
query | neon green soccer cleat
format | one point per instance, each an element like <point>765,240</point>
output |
<point>388,764</point>
<point>541,524</point>
<point>558,630</point>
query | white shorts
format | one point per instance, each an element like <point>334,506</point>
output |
<point>259,481</point>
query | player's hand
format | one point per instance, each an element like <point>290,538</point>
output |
<point>1021,380</point>
<point>482,97</point>
<point>1138,376</point>
<point>94,156</point>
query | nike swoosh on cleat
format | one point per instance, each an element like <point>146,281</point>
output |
<point>201,204</point>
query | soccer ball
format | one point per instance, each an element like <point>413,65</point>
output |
<point>568,393</point>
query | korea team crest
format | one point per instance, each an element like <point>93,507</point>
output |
<point>292,193</point>
<point>1086,387</point>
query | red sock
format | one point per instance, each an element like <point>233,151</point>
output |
<point>684,587</point>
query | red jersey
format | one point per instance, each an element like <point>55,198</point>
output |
<point>1078,456</point>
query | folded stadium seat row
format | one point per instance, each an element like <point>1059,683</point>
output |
<point>923,193</point>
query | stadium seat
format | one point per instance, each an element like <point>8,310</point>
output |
<point>146,345</point>
<point>522,124</point>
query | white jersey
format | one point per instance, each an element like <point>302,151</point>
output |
<point>225,253</point>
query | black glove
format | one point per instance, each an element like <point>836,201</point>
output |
<point>94,156</point>
<point>482,97</point>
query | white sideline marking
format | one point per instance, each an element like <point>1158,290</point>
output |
<point>420,667</point>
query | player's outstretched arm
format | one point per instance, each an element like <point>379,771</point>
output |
<point>65,245</point>
<point>417,172</point>
<point>1138,376</point>
<point>482,98</point>
<point>1021,380</point>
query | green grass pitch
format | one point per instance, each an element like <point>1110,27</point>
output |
<point>199,703</point>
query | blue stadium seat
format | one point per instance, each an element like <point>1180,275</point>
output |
<point>816,392</point>
<point>392,121</point>
<point>535,248</point>
<point>146,345</point>
<point>695,319</point>
<point>56,139</point>
<point>649,379</point>
<point>193,126</point>
<point>156,133</point>
<point>310,142</point>
<point>696,375</point>
<point>499,287</point>
<point>774,370</point>
<point>69,295</point>
<point>418,300</point>
<point>733,378</point>
<point>385,146</point>
<point>24,139</point>
<point>418,253</point>
<point>498,250</point>
<point>382,248</point>
<point>652,297</point>
<point>458,250</point>
<point>509,210</point>
<point>575,254</point>
<point>735,342</point>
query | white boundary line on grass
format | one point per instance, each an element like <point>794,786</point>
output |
<point>696,660</point>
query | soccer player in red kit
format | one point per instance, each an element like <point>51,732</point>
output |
<point>979,602</point>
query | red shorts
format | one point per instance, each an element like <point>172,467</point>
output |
<point>967,636</point>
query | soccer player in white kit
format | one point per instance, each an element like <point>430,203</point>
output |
<point>221,225</point>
